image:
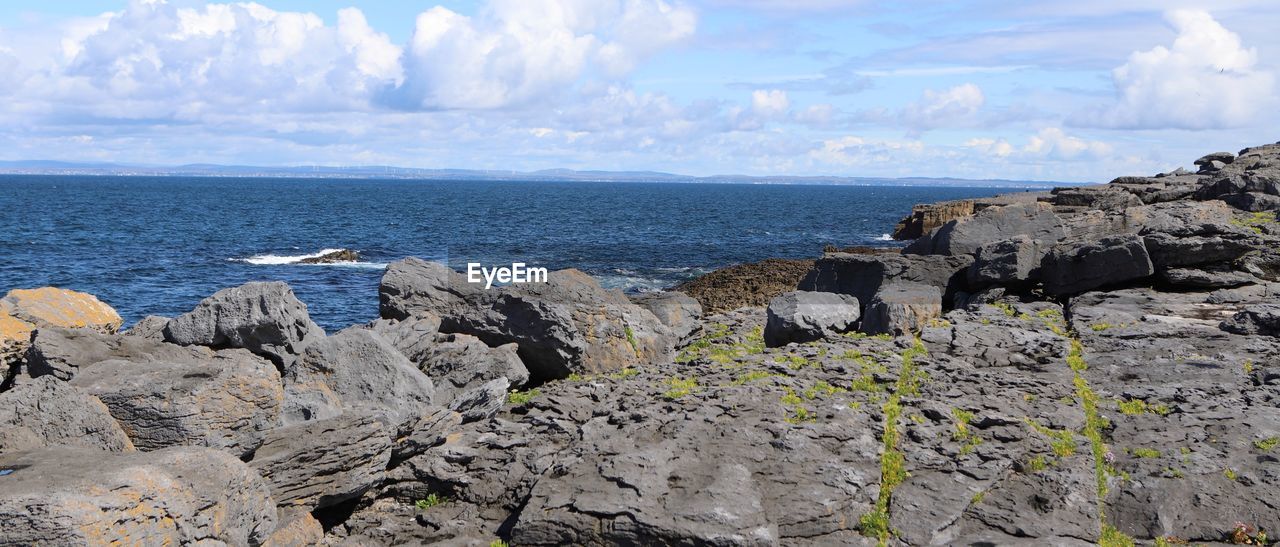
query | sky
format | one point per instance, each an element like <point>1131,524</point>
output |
<point>1037,90</point>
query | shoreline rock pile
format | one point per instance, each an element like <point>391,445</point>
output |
<point>1091,365</point>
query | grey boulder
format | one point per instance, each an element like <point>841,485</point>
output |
<point>803,316</point>
<point>62,353</point>
<point>964,236</point>
<point>676,310</point>
<point>458,363</point>
<point>862,275</point>
<point>1263,319</point>
<point>1072,268</point>
<point>1205,279</point>
<point>324,462</point>
<point>151,326</point>
<point>570,324</point>
<point>176,496</point>
<point>228,402</point>
<point>414,337</point>
<point>1011,261</point>
<point>481,402</point>
<point>902,308</point>
<point>262,317</point>
<point>354,369</point>
<point>47,412</point>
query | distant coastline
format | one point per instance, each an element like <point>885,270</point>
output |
<point>59,168</point>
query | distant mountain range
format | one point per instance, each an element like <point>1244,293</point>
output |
<point>42,167</point>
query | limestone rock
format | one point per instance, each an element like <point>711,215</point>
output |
<point>1008,262</point>
<point>53,307</point>
<point>151,326</point>
<point>902,308</point>
<point>481,402</point>
<point>742,285</point>
<point>323,462</point>
<point>1205,279</point>
<point>678,311</point>
<point>354,369</point>
<point>1077,267</point>
<point>863,275</point>
<point>965,236</point>
<point>458,363</point>
<point>176,496</point>
<point>414,336</point>
<point>1263,319</point>
<point>48,412</point>
<point>297,530</point>
<point>568,324</point>
<point>802,316</point>
<point>228,402</point>
<point>262,317</point>
<point>63,353</point>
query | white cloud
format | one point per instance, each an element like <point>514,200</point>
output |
<point>853,151</point>
<point>770,103</point>
<point>1206,79</point>
<point>518,51</point>
<point>946,107</point>
<point>1050,143</point>
<point>818,115</point>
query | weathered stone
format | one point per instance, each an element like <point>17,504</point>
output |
<point>414,336</point>
<point>53,307</point>
<point>458,363</point>
<point>48,412</point>
<point>902,308</point>
<point>1205,279</point>
<point>296,530</point>
<point>262,317</point>
<point>1253,201</point>
<point>965,236</point>
<point>63,353</point>
<point>678,311</point>
<point>481,402</point>
<point>1263,319</point>
<point>1221,157</point>
<point>227,402</point>
<point>424,432</point>
<point>802,316</point>
<point>354,369</point>
<point>1011,261</point>
<point>925,217</point>
<point>743,285</point>
<point>1102,197</point>
<point>176,496</point>
<point>863,275</point>
<point>323,462</point>
<point>568,324</point>
<point>1168,251</point>
<point>151,326</point>
<point>1077,267</point>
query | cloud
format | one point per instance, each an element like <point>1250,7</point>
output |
<point>940,108</point>
<point>1206,79</point>
<point>518,51</point>
<point>1050,143</point>
<point>769,104</point>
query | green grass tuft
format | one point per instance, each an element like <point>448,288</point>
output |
<point>517,397</point>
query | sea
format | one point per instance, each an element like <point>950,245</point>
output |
<point>158,245</point>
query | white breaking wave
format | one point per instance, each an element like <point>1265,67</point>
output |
<point>884,237</point>
<point>282,260</point>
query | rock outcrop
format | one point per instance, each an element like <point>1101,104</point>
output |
<point>567,325</point>
<point>176,496</point>
<point>801,316</point>
<point>902,308</point>
<point>355,369</point>
<point>743,285</point>
<point>863,275</point>
<point>321,463</point>
<point>265,318</point>
<point>24,310</point>
<point>48,412</point>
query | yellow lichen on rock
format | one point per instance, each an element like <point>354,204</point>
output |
<point>54,307</point>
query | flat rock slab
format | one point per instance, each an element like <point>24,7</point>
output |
<point>49,412</point>
<point>176,496</point>
<point>228,402</point>
<point>62,353</point>
<point>1072,268</point>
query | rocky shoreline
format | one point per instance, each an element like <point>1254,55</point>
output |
<point>1091,365</point>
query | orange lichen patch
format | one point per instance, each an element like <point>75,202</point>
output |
<point>51,306</point>
<point>13,331</point>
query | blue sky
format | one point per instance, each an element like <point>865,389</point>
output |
<point>1078,91</point>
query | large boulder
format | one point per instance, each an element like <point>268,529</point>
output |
<point>48,412</point>
<point>414,337</point>
<point>862,275</point>
<point>902,308</point>
<point>459,362</point>
<point>355,369</point>
<point>678,311</point>
<point>1101,198</point>
<point>324,462</point>
<point>262,317</point>
<point>151,326</point>
<point>1263,319</point>
<point>1011,261</point>
<point>62,353</point>
<point>1170,251</point>
<point>568,324</point>
<point>964,236</point>
<point>24,310</point>
<point>176,496</point>
<point>481,402</point>
<point>801,316</point>
<point>1194,278</point>
<point>228,402</point>
<point>1077,267</point>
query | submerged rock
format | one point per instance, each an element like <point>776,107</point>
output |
<point>342,255</point>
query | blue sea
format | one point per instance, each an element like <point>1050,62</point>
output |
<point>157,245</point>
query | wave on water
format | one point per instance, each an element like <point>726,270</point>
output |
<point>884,237</point>
<point>285,260</point>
